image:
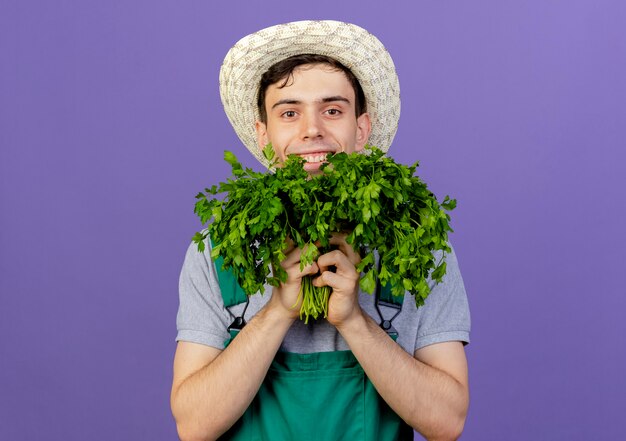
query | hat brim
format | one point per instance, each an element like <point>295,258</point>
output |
<point>351,45</point>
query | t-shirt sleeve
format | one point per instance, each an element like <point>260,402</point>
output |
<point>202,317</point>
<point>445,315</point>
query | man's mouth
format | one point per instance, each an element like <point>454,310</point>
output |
<point>314,160</point>
<point>314,157</point>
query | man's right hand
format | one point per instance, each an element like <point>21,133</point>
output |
<point>286,298</point>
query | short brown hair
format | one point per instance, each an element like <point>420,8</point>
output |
<point>283,70</point>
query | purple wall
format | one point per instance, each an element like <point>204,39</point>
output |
<point>110,122</point>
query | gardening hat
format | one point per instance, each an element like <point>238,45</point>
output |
<point>351,45</point>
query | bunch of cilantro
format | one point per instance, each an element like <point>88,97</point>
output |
<point>383,206</point>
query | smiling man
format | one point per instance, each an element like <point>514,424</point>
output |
<point>313,88</point>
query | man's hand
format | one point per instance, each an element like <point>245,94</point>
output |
<point>343,304</point>
<point>286,298</point>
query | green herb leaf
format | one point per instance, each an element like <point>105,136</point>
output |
<point>268,152</point>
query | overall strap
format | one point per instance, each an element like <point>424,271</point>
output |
<point>384,297</point>
<point>232,294</point>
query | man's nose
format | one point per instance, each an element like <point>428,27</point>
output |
<point>311,126</point>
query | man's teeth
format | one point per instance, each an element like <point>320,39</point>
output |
<point>314,158</point>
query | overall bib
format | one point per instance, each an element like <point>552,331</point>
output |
<point>313,397</point>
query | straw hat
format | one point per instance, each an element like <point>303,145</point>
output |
<point>351,45</point>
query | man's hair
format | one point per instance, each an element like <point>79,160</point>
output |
<point>283,70</point>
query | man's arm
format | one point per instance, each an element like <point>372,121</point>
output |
<point>430,390</point>
<point>212,388</point>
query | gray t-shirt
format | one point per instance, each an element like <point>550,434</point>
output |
<point>202,317</point>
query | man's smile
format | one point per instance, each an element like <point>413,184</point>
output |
<point>314,157</point>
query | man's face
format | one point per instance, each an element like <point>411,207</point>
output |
<point>312,116</point>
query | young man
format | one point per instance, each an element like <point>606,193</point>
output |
<point>319,87</point>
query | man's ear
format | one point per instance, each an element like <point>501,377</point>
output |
<point>261,135</point>
<point>363,130</point>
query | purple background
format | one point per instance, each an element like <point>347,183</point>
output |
<point>110,122</point>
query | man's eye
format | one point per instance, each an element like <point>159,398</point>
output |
<point>333,112</point>
<point>289,114</point>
